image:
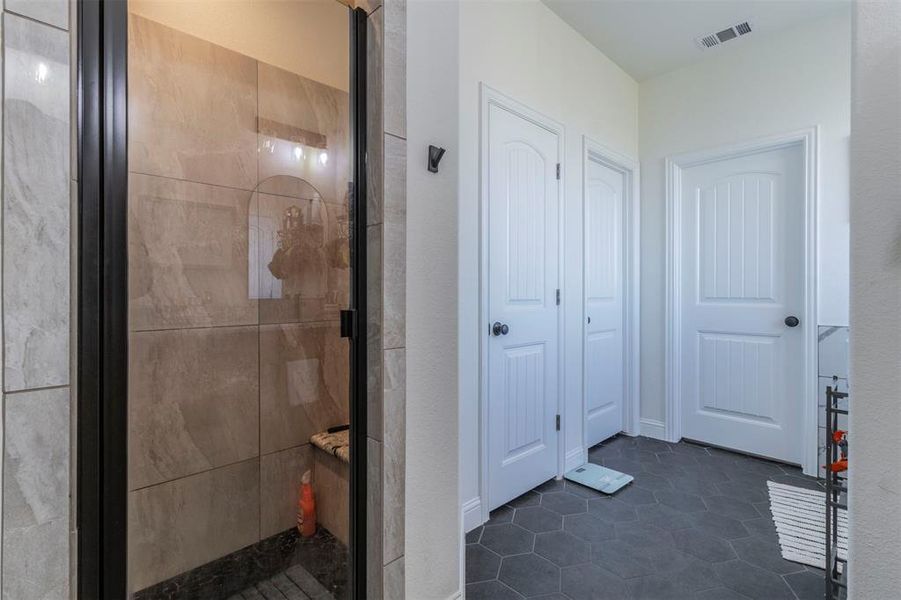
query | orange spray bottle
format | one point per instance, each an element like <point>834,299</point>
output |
<point>306,507</point>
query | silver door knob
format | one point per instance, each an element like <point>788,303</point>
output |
<point>499,328</point>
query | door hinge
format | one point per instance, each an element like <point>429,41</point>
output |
<point>349,324</point>
<point>558,170</point>
<point>558,296</point>
<point>558,422</point>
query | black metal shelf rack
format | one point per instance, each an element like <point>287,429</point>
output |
<point>836,499</point>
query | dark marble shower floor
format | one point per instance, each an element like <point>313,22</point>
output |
<point>283,567</point>
<point>695,524</point>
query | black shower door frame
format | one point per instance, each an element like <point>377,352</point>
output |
<point>102,296</point>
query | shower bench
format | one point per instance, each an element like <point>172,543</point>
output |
<point>331,481</point>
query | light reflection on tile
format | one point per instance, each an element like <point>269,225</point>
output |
<point>36,204</point>
<point>289,102</point>
<point>307,279</point>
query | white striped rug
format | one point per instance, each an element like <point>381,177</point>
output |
<point>800,517</point>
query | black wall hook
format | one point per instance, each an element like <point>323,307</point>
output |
<point>435,155</point>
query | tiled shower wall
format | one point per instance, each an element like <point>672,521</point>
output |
<point>37,406</point>
<point>230,370</point>
<point>832,360</point>
<point>386,237</point>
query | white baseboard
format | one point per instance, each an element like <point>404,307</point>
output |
<point>574,458</point>
<point>472,514</point>
<point>653,428</point>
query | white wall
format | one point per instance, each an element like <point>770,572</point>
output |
<point>797,79</point>
<point>525,51</point>
<point>875,419</point>
<point>433,533</point>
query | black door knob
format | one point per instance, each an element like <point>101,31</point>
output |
<point>499,328</point>
<point>792,321</point>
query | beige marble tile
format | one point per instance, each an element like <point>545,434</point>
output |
<point>192,108</point>
<point>394,244</point>
<point>36,209</point>
<point>374,304</point>
<point>188,255</point>
<point>307,279</point>
<point>394,579</point>
<point>374,562</point>
<point>395,57</point>
<point>393,452</point>
<point>194,401</point>
<point>280,475</point>
<point>332,484</point>
<point>303,383</point>
<point>177,526</point>
<point>374,118</point>
<point>297,111</point>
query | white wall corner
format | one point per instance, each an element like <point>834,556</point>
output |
<point>472,514</point>
<point>653,428</point>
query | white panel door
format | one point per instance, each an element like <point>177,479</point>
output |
<point>604,376</point>
<point>522,287</point>
<point>743,276</point>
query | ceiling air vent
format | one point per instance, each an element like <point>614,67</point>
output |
<point>721,37</point>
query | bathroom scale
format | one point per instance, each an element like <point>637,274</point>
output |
<point>599,478</point>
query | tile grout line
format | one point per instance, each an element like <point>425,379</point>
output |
<point>31,19</point>
<point>36,389</point>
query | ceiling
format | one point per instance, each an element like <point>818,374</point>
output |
<point>650,37</point>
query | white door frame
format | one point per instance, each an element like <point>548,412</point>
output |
<point>807,140</point>
<point>488,96</point>
<point>631,228</point>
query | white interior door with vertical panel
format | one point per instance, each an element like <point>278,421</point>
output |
<point>604,360</point>
<point>523,259</point>
<point>743,277</point>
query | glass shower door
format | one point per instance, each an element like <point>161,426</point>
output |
<point>239,260</point>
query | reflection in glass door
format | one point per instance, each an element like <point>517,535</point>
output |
<point>239,261</point>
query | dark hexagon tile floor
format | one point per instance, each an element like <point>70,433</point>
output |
<point>695,524</point>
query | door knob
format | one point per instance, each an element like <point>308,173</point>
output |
<point>499,328</point>
<point>792,321</point>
